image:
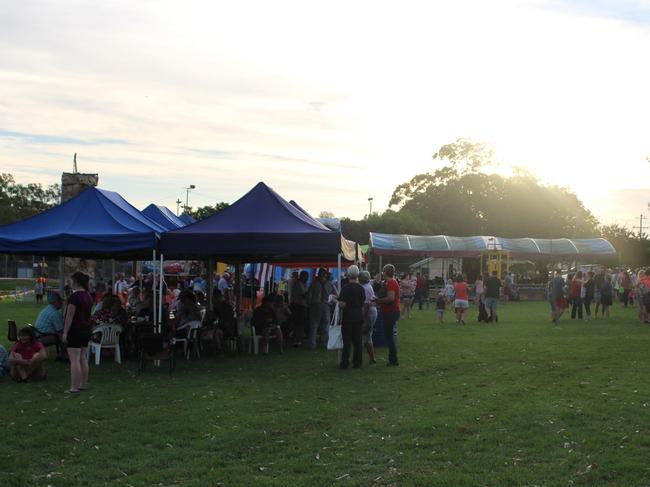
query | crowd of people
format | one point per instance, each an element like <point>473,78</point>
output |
<point>581,290</point>
<point>297,311</point>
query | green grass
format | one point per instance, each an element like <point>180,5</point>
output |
<point>517,403</point>
<point>10,284</point>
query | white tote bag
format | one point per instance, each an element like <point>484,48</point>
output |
<point>335,341</point>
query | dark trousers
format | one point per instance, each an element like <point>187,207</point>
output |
<point>352,336</point>
<point>299,315</point>
<point>587,304</point>
<point>390,322</point>
<point>421,296</point>
<point>577,306</point>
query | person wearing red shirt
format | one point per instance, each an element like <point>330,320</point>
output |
<point>390,309</point>
<point>577,295</point>
<point>421,290</point>
<point>461,302</point>
<point>27,356</point>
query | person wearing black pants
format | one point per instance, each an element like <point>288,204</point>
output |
<point>589,286</point>
<point>351,300</point>
<point>390,311</point>
<point>576,295</point>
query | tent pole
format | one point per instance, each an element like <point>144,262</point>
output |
<point>153,288</point>
<point>339,276</point>
<point>210,275</point>
<point>62,277</point>
<point>113,274</point>
<point>160,295</point>
<point>381,266</point>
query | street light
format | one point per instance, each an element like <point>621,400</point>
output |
<point>187,196</point>
<point>370,203</point>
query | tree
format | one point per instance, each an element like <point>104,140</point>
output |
<point>20,201</point>
<point>632,250</point>
<point>326,214</point>
<point>202,212</point>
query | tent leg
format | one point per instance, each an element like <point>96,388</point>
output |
<point>62,277</point>
<point>153,290</point>
<point>210,275</point>
<point>339,268</point>
<point>160,295</point>
<point>113,273</point>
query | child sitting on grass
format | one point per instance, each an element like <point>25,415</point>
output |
<point>27,357</point>
<point>441,302</point>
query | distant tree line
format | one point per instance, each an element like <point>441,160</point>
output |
<point>20,201</point>
<point>467,196</point>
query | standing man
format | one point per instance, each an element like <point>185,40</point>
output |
<point>390,310</point>
<point>319,308</point>
<point>557,294</point>
<point>507,287</point>
<point>421,290</point>
<point>298,292</point>
<point>224,286</point>
<point>492,292</point>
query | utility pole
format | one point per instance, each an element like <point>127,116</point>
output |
<point>641,227</point>
<point>187,196</point>
<point>178,206</point>
<point>370,202</point>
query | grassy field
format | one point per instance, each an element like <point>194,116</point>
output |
<point>509,404</point>
<point>9,285</point>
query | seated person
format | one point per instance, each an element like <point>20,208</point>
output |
<point>282,313</point>
<point>111,312</point>
<point>224,315</point>
<point>27,357</point>
<point>134,297</point>
<point>144,308</point>
<point>4,361</point>
<point>106,298</point>
<point>265,323</point>
<point>50,320</point>
<point>188,313</point>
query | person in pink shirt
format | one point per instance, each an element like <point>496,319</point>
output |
<point>461,302</point>
<point>27,356</point>
<point>407,286</point>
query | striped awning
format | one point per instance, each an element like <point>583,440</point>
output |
<point>447,246</point>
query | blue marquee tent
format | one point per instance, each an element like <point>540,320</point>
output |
<point>261,227</point>
<point>186,219</point>
<point>163,216</point>
<point>95,223</point>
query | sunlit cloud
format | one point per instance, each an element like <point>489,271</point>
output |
<point>329,103</point>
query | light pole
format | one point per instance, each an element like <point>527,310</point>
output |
<point>187,196</point>
<point>370,203</point>
<point>178,206</point>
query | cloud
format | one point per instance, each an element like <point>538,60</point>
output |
<point>57,140</point>
<point>315,101</point>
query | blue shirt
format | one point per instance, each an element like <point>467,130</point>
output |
<point>50,320</point>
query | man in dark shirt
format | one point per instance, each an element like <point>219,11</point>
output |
<point>492,292</point>
<point>421,290</point>
<point>352,299</point>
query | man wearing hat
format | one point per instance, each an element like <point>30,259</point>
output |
<point>319,308</point>
<point>50,320</point>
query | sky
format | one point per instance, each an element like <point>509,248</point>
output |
<point>330,103</point>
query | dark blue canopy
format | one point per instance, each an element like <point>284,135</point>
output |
<point>163,217</point>
<point>95,223</point>
<point>261,227</point>
<point>186,219</point>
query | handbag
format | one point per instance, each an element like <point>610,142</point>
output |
<point>335,340</point>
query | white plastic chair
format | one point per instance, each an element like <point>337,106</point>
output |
<point>110,339</point>
<point>192,332</point>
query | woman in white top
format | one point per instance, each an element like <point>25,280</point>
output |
<point>479,289</point>
<point>369,315</point>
